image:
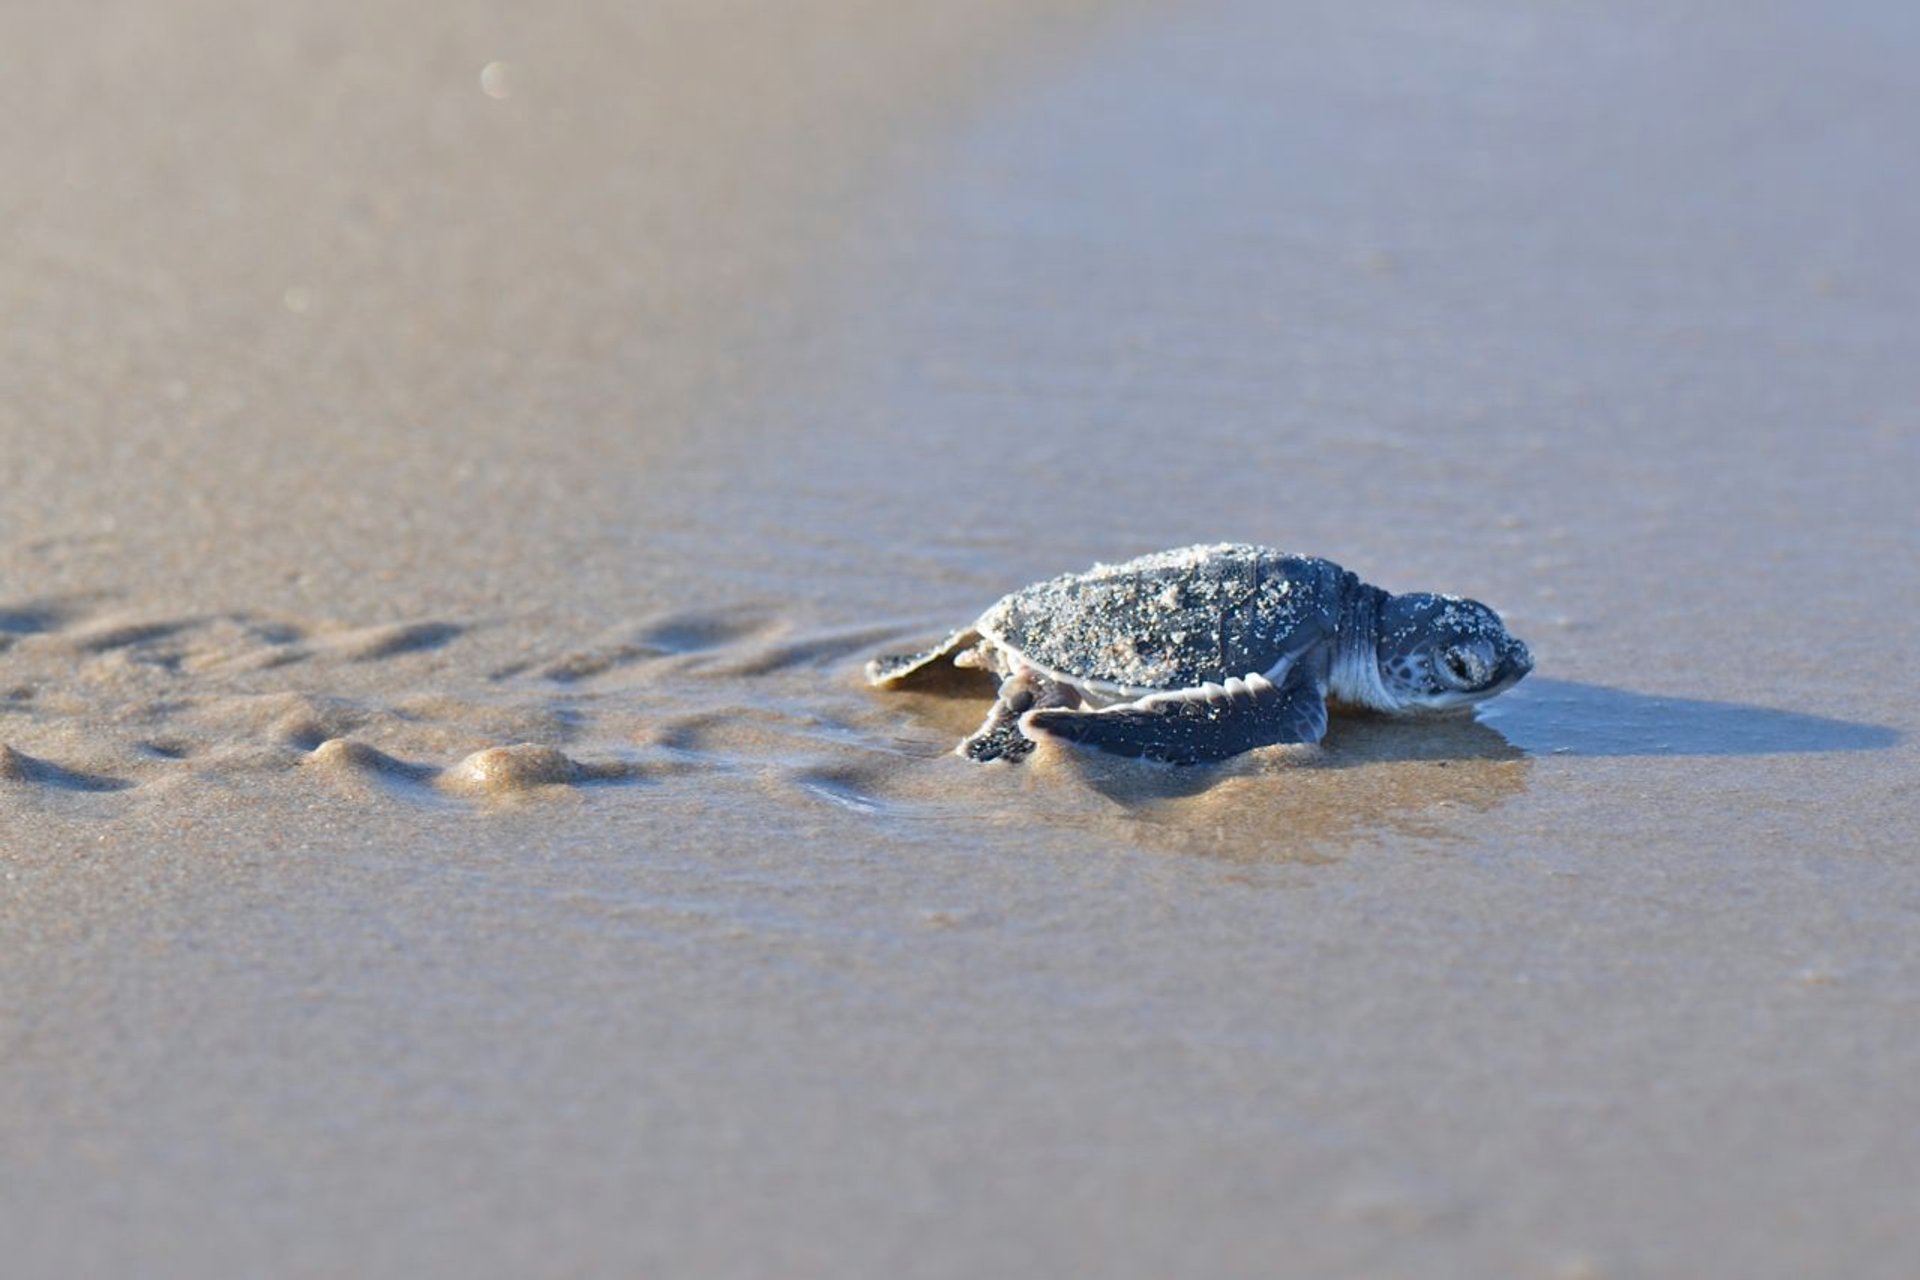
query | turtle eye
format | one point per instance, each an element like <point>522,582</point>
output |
<point>1466,666</point>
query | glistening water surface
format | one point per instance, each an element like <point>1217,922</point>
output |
<point>445,825</point>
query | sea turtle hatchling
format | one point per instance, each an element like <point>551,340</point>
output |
<point>1203,652</point>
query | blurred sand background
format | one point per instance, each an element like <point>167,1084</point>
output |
<point>457,457</point>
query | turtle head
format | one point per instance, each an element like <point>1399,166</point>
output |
<point>1441,653</point>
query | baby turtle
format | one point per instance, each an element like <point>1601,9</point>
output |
<point>1204,652</point>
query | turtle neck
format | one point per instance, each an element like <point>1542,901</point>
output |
<point>1355,677</point>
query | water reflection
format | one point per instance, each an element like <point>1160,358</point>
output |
<point>1376,781</point>
<point>1567,717</point>
<point>1374,778</point>
<point>1353,742</point>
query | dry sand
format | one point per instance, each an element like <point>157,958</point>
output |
<point>457,457</point>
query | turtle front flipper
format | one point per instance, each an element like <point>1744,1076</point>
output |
<point>1189,726</point>
<point>1000,737</point>
<point>901,668</point>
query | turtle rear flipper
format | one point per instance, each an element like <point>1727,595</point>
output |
<point>1189,726</point>
<point>897,669</point>
<point>1000,737</point>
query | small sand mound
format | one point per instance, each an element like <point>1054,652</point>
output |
<point>370,644</point>
<point>517,768</point>
<point>343,756</point>
<point>17,766</point>
<point>14,767</point>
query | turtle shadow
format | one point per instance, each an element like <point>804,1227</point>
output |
<point>1572,718</point>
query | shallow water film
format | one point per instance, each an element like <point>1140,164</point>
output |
<point>459,458</point>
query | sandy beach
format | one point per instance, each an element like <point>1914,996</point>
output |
<point>458,458</point>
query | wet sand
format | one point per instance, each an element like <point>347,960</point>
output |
<point>442,826</point>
